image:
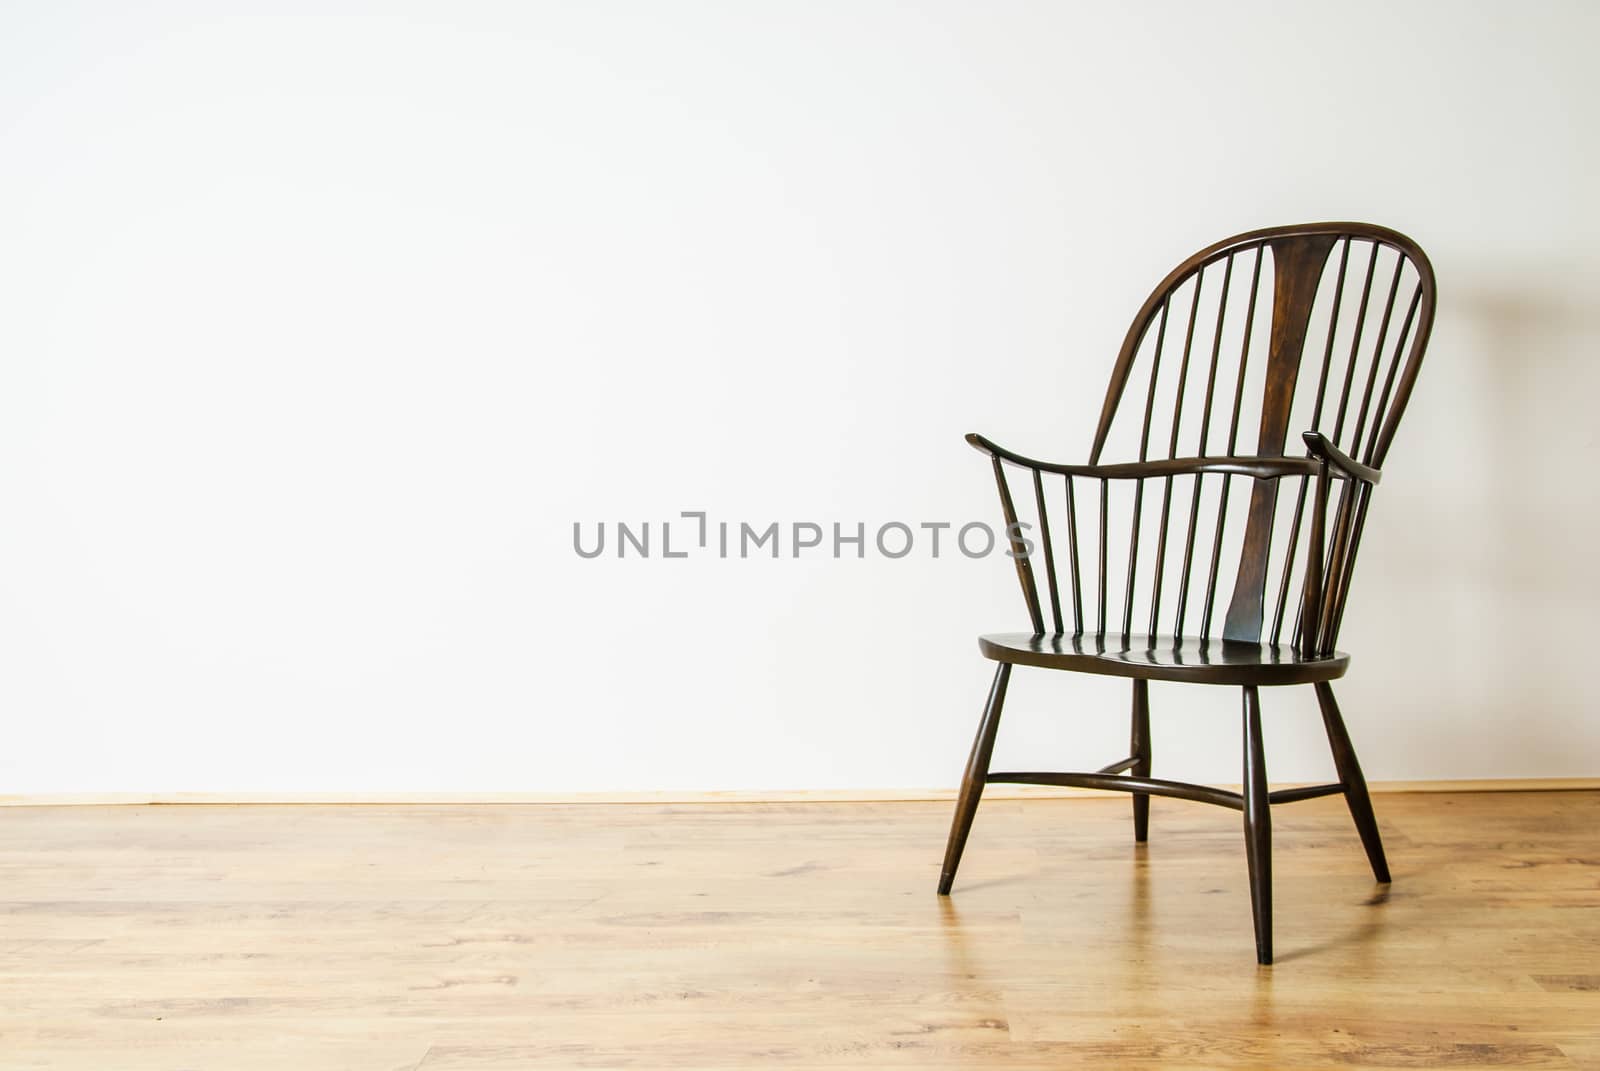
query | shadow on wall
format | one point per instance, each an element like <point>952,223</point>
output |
<point>1483,538</point>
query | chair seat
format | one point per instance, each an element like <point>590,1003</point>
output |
<point>1165,658</point>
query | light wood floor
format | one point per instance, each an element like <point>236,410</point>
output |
<point>788,936</point>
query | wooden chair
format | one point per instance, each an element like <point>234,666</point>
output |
<point>1319,329</point>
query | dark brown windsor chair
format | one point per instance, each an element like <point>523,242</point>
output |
<point>1330,348</point>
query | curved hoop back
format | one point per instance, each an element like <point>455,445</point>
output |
<point>1327,268</point>
<point>1320,328</point>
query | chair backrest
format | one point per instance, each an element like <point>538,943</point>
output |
<point>1242,348</point>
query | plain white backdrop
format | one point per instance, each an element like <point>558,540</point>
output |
<point>320,326</point>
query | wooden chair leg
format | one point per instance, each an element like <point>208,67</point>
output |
<point>1139,748</point>
<point>1355,785</point>
<point>973,781</point>
<point>1257,825</point>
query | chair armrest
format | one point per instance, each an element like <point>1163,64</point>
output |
<point>1320,448</point>
<point>1260,467</point>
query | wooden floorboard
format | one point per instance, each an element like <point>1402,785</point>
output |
<point>804,935</point>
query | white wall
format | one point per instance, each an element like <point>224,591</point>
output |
<point>318,331</point>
